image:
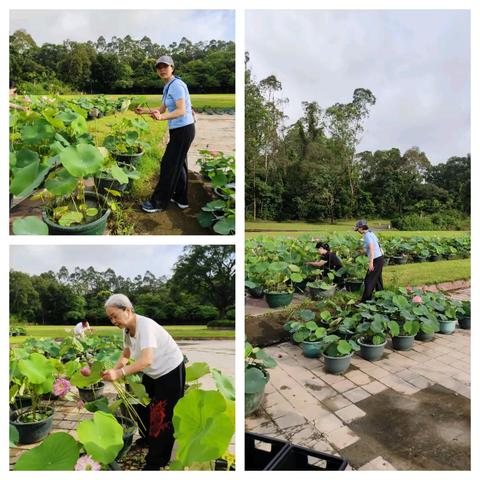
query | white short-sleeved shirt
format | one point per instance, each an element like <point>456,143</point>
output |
<point>79,329</point>
<point>149,334</point>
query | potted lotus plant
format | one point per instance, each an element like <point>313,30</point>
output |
<point>337,353</point>
<point>278,278</point>
<point>310,335</point>
<point>300,317</point>
<point>372,337</point>
<point>353,272</point>
<point>322,287</point>
<point>35,376</point>
<point>257,361</point>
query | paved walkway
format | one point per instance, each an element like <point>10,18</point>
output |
<point>218,354</point>
<point>380,416</point>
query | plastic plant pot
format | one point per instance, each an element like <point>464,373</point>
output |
<point>447,327</point>
<point>371,352</point>
<point>133,158</point>
<point>435,258</point>
<point>91,394</point>
<point>403,342</point>
<point>464,323</point>
<point>278,299</point>
<point>337,365</point>
<point>312,349</point>
<point>353,285</point>
<point>424,337</point>
<point>32,432</point>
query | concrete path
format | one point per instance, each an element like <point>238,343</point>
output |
<point>408,411</point>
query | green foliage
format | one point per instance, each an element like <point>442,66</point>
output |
<point>59,451</point>
<point>257,361</point>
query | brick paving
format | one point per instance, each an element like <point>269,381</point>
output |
<point>305,405</point>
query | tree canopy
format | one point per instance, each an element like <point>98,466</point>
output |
<point>120,65</point>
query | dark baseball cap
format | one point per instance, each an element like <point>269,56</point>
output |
<point>360,223</point>
<point>167,59</point>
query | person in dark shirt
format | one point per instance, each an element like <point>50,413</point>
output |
<point>329,260</point>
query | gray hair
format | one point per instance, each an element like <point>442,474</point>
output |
<point>119,300</point>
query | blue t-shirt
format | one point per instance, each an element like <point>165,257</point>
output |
<point>176,89</point>
<point>369,238</point>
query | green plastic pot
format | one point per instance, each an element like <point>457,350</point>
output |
<point>447,327</point>
<point>316,293</point>
<point>403,342</point>
<point>464,323</point>
<point>424,337</point>
<point>370,352</point>
<point>278,299</point>
<point>312,349</point>
<point>256,292</point>
<point>253,402</point>
<point>337,365</point>
<point>97,227</point>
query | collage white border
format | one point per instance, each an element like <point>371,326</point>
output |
<point>240,6</point>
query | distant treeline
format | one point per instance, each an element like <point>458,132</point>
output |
<point>121,65</point>
<point>201,289</point>
<point>311,170</point>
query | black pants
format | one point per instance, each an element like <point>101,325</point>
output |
<point>373,280</point>
<point>164,393</point>
<point>173,181</point>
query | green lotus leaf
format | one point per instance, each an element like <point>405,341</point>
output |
<point>29,177</point>
<point>30,226</point>
<point>344,347</point>
<point>61,183</point>
<point>38,133</point>
<point>36,368</point>
<point>205,219</point>
<point>203,426</point>
<point>59,451</point>
<point>70,218</point>
<point>102,437</point>
<point>225,226</point>
<point>118,174</point>
<point>196,370</point>
<point>224,384</point>
<point>91,212</point>
<point>81,160</point>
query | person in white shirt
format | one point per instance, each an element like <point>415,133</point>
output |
<point>82,327</point>
<point>155,353</point>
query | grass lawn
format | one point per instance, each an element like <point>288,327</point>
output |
<point>427,273</point>
<point>295,229</point>
<point>212,100</point>
<point>149,165</point>
<point>178,332</point>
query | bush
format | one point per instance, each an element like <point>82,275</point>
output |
<point>447,220</point>
<point>230,314</point>
<point>221,323</point>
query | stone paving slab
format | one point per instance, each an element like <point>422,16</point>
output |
<point>306,405</point>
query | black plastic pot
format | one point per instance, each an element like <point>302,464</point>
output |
<point>104,181</point>
<point>91,394</point>
<point>96,227</point>
<point>32,432</point>
<point>449,257</point>
<point>424,337</point>
<point>418,259</point>
<point>464,323</point>
<point>352,285</point>
<point>20,403</point>
<point>399,259</point>
<point>261,451</point>
<point>435,258</point>
<point>257,292</point>
<point>300,286</point>
<point>129,429</point>
<point>133,158</point>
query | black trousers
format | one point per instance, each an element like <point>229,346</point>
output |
<point>373,280</point>
<point>164,393</point>
<point>173,181</point>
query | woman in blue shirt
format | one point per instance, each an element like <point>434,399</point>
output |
<point>373,278</point>
<point>176,108</point>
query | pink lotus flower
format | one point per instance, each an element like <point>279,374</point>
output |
<point>85,371</point>
<point>61,387</point>
<point>27,99</point>
<point>86,462</point>
<point>417,299</point>
<point>214,153</point>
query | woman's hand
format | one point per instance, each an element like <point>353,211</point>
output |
<point>156,115</point>
<point>111,375</point>
<point>370,266</point>
<point>140,110</point>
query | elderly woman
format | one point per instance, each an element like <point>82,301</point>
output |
<point>176,108</point>
<point>155,353</point>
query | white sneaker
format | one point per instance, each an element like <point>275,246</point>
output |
<point>180,205</point>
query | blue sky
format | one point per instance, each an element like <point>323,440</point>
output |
<point>416,63</point>
<point>161,26</point>
<point>126,260</point>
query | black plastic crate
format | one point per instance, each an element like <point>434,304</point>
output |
<point>299,458</point>
<point>262,451</point>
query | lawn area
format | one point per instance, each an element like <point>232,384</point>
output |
<point>149,164</point>
<point>427,273</point>
<point>212,100</point>
<point>294,229</point>
<point>178,332</point>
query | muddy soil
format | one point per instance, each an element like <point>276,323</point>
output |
<point>429,430</point>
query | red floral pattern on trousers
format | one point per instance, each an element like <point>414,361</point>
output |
<point>157,418</point>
